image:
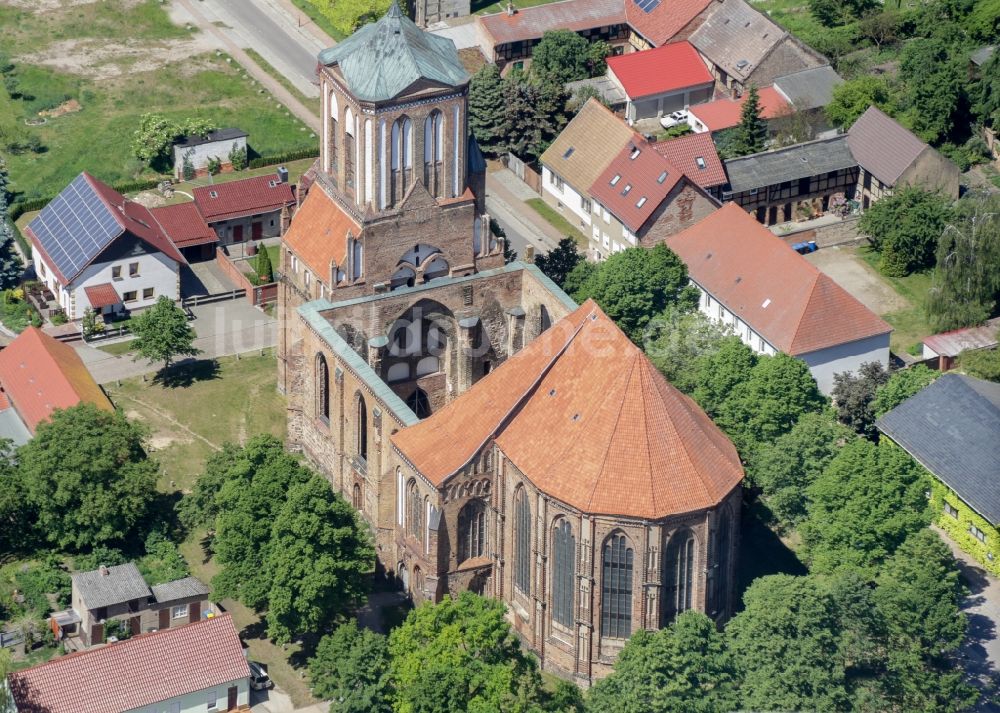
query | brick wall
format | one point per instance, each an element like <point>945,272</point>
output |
<point>255,295</point>
<point>840,233</point>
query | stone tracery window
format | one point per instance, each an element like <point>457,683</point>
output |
<point>362,428</point>
<point>563,573</point>
<point>522,541</point>
<point>472,531</point>
<point>616,588</point>
<point>322,389</point>
<point>414,511</point>
<point>678,571</point>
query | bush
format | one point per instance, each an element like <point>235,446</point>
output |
<point>214,165</point>
<point>38,581</point>
<point>58,317</point>
<point>262,161</point>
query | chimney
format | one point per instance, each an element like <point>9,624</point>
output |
<point>510,9</point>
<point>283,174</point>
<point>103,570</point>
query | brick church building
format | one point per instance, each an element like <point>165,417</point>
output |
<point>494,435</point>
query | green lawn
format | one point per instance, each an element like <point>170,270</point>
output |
<point>557,221</point>
<point>909,325</point>
<point>117,348</point>
<point>793,15</point>
<point>187,423</point>
<point>312,103</point>
<point>116,91</point>
<point>311,12</point>
<point>486,7</point>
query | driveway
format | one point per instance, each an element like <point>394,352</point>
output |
<point>277,701</point>
<point>505,196</point>
<point>858,278</point>
<point>204,278</point>
<point>223,328</point>
<point>981,651</point>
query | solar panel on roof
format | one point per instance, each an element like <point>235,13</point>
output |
<point>74,227</point>
<point>647,5</point>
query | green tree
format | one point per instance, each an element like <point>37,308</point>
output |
<point>11,267</point>
<point>349,15</point>
<point>863,505</point>
<point>934,82</point>
<point>904,228</point>
<point>636,284</point>
<point>151,141</point>
<point>238,157</point>
<point>264,270</point>
<point>779,391</point>
<point>559,261</point>
<point>683,668</point>
<point>351,670</point>
<point>17,515</point>
<point>786,647</point>
<point>460,655</point>
<point>253,491</point>
<point>162,333</point>
<point>902,385</point>
<point>163,561</point>
<point>751,133</point>
<point>199,508</point>
<point>319,557</point>
<point>87,476</point>
<point>786,468</point>
<point>533,115</point>
<point>966,283</point>
<point>486,110</point>
<point>187,168</point>
<point>918,597</point>
<point>854,396</point>
<point>981,363</point>
<point>985,94</point>
<point>718,372</point>
<point>678,339</point>
<point>561,56</point>
<point>852,99</point>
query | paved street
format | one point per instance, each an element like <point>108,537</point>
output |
<point>223,328</point>
<point>267,27</point>
<point>505,196</point>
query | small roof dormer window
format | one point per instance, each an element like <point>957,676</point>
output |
<point>614,181</point>
<point>635,153</point>
<point>626,189</point>
<point>213,194</point>
<point>662,177</point>
<point>701,162</point>
<point>641,202</point>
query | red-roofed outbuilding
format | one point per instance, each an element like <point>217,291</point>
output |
<point>725,113</point>
<point>248,209</point>
<point>661,80</point>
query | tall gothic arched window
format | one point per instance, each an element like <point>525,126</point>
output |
<point>350,149</point>
<point>433,149</point>
<point>414,511</point>
<point>522,541</point>
<point>616,588</point>
<point>334,115</point>
<point>322,389</point>
<point>362,428</point>
<point>356,497</point>
<point>401,157</point>
<point>563,573</point>
<point>723,548</point>
<point>472,530</point>
<point>678,572</point>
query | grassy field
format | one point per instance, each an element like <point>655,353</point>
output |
<point>118,60</point>
<point>555,219</point>
<point>486,7</point>
<point>793,15</point>
<point>117,348</point>
<point>909,325</point>
<point>309,10</point>
<point>231,401</point>
<point>312,103</point>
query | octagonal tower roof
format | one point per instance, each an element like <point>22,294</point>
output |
<point>382,59</point>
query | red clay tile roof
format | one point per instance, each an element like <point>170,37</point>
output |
<point>532,22</point>
<point>184,225</point>
<point>665,20</point>
<point>136,219</point>
<point>246,197</point>
<point>630,187</point>
<point>882,146</point>
<point>725,113</point>
<point>40,374</point>
<point>318,234</point>
<point>102,295</point>
<point>772,288</point>
<point>584,414</point>
<point>141,671</point>
<point>684,152</point>
<point>657,71</point>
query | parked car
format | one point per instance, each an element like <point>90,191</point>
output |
<point>803,248</point>
<point>674,119</point>
<point>259,680</point>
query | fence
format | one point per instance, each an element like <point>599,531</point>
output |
<point>257,295</point>
<point>525,172</point>
<point>217,297</point>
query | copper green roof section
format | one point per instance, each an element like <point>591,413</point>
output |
<point>382,59</point>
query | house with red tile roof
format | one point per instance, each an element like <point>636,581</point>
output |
<point>247,209</point>
<point>620,190</point>
<point>775,300</point>
<point>93,248</point>
<point>187,229</point>
<point>696,156</point>
<point>724,113</point>
<point>39,374</point>
<point>192,668</point>
<point>662,80</point>
<point>657,22</point>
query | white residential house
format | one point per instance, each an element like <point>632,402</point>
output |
<point>92,247</point>
<point>775,299</point>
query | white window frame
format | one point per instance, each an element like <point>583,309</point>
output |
<point>213,700</point>
<point>175,612</point>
